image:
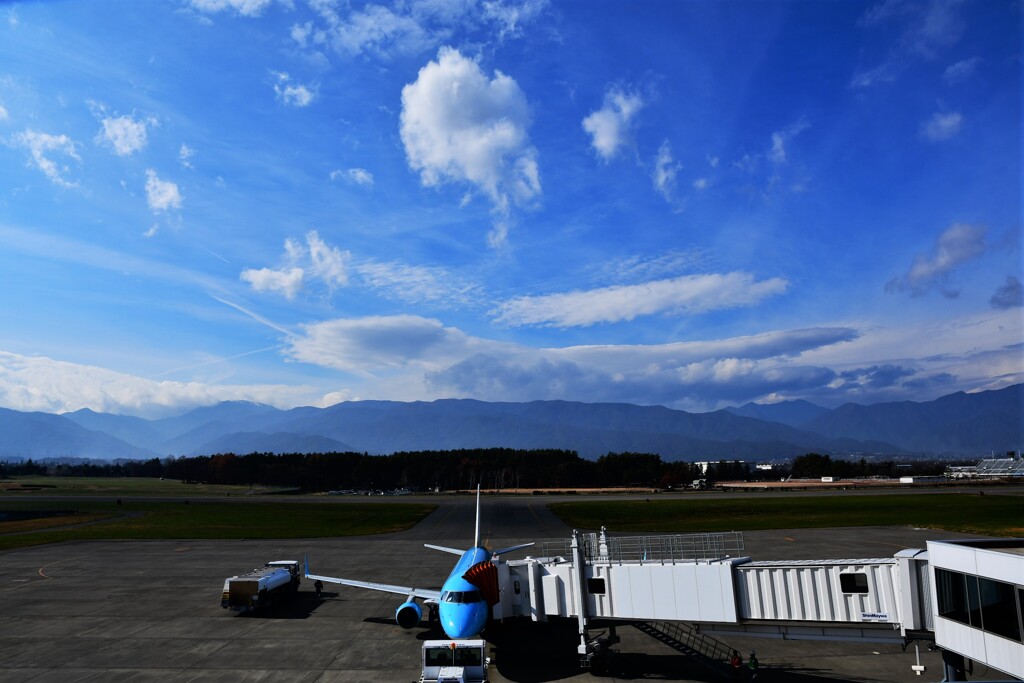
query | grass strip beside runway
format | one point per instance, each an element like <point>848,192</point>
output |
<point>207,520</point>
<point>990,515</point>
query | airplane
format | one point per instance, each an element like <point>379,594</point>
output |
<point>461,605</point>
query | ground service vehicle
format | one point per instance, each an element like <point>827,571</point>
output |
<point>454,661</point>
<point>273,583</point>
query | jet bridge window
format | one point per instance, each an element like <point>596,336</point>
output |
<point>853,583</point>
<point>595,586</point>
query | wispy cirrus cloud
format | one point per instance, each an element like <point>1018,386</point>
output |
<point>460,126</point>
<point>356,176</point>
<point>610,127</point>
<point>246,8</point>
<point>666,172</point>
<point>942,126</point>
<point>688,294</point>
<point>44,150</point>
<point>960,71</point>
<point>955,246</point>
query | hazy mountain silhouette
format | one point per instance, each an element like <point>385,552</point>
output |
<point>969,424</point>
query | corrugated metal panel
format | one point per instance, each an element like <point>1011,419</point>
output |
<point>812,591</point>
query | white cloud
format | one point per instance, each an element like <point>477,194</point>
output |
<point>363,345</point>
<point>417,284</point>
<point>162,195</point>
<point>185,153</point>
<point>40,145</point>
<point>957,245</point>
<point>942,126</point>
<point>246,8</point>
<point>3,113</point>
<point>960,71</point>
<point>610,125</point>
<point>123,134</point>
<point>701,184</point>
<point>688,294</point>
<point>358,176</point>
<point>665,171</point>
<point>781,138</point>
<point>30,383</point>
<point>459,126</point>
<point>510,17</point>
<point>293,94</point>
<point>287,281</point>
<point>314,261</point>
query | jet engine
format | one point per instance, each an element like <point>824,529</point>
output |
<point>408,614</point>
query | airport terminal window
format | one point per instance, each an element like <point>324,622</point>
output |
<point>853,583</point>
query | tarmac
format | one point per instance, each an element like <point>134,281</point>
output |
<point>150,611</point>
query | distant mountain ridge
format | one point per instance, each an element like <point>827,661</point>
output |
<point>968,424</point>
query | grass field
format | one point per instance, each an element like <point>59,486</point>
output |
<point>197,519</point>
<point>124,486</point>
<point>991,515</point>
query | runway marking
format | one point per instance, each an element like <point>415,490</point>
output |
<point>787,538</point>
<point>45,566</point>
<point>182,550</point>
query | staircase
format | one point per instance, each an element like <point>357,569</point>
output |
<point>711,654</point>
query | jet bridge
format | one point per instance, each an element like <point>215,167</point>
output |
<point>705,580</point>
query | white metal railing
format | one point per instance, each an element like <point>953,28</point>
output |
<point>599,547</point>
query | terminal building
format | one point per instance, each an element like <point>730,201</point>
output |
<point>965,596</point>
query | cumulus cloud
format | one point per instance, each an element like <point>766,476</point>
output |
<point>942,126</point>
<point>42,147</point>
<point>162,195</point>
<point>611,125</point>
<point>357,176</point>
<point>314,261</point>
<point>957,245</point>
<point>1009,295</point>
<point>293,94</point>
<point>124,134</point>
<point>666,169</point>
<point>460,126</point>
<point>960,71</point>
<point>689,294</point>
<point>246,8</point>
<point>287,281</point>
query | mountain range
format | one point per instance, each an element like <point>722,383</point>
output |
<point>958,424</point>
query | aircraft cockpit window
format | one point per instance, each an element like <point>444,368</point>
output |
<point>471,596</point>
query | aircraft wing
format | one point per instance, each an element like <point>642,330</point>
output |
<point>425,594</point>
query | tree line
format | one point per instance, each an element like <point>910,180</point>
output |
<point>419,470</point>
<point>458,469</point>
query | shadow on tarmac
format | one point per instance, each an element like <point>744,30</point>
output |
<point>302,606</point>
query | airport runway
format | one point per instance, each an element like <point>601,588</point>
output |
<point>150,610</point>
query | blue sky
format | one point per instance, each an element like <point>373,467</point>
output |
<point>694,204</point>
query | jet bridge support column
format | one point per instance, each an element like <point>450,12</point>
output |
<point>579,603</point>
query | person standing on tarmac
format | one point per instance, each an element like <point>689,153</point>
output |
<point>752,665</point>
<point>735,662</point>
